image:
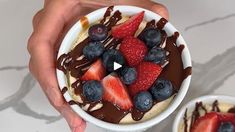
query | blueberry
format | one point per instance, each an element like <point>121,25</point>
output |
<point>143,101</point>
<point>93,90</point>
<point>128,75</point>
<point>161,89</point>
<point>151,37</point>
<point>93,50</point>
<point>156,55</point>
<point>110,56</point>
<point>226,127</point>
<point>98,32</point>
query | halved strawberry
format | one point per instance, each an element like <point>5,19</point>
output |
<point>129,27</point>
<point>147,73</point>
<point>133,50</point>
<point>115,92</point>
<point>207,123</point>
<point>227,117</point>
<point>95,72</point>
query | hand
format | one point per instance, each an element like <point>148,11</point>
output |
<point>49,27</point>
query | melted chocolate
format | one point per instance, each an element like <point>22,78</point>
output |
<point>109,113</point>
<point>185,121</point>
<point>174,71</point>
<point>215,106</point>
<point>232,110</point>
<point>64,90</point>
<point>161,23</point>
<point>196,114</point>
<point>69,64</point>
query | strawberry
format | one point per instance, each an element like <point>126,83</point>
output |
<point>129,27</point>
<point>207,123</point>
<point>224,117</point>
<point>95,72</point>
<point>115,92</point>
<point>133,50</point>
<point>147,73</point>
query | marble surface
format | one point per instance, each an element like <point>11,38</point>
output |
<point>207,26</point>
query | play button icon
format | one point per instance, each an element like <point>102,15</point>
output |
<point>116,66</point>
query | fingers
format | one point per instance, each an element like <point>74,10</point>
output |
<point>76,123</point>
<point>157,8</point>
<point>36,18</point>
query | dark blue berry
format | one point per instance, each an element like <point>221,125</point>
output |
<point>93,90</point>
<point>156,55</point>
<point>128,75</point>
<point>226,127</point>
<point>93,50</point>
<point>162,89</point>
<point>151,37</point>
<point>110,56</point>
<point>98,32</point>
<point>143,101</point>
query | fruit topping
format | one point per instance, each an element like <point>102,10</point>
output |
<point>143,101</point>
<point>93,50</point>
<point>115,92</point>
<point>147,73</point>
<point>133,50</point>
<point>156,55</point>
<point>95,72</point>
<point>128,75</point>
<point>129,27</point>
<point>226,127</point>
<point>93,90</point>
<point>207,123</point>
<point>161,89</point>
<point>151,37</point>
<point>98,32</point>
<point>110,56</point>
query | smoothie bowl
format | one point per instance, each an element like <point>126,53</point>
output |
<point>212,113</point>
<point>123,68</point>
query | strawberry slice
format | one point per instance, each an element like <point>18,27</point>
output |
<point>227,117</point>
<point>147,73</point>
<point>207,123</point>
<point>95,72</point>
<point>115,92</point>
<point>129,27</point>
<point>133,50</point>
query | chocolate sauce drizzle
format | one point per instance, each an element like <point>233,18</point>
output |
<point>232,110</point>
<point>196,114</point>
<point>186,121</point>
<point>64,90</point>
<point>109,112</point>
<point>215,106</point>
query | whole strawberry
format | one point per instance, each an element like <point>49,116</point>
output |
<point>129,27</point>
<point>147,73</point>
<point>133,50</point>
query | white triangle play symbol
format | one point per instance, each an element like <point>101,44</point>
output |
<point>116,65</point>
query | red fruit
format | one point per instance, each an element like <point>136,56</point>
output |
<point>227,117</point>
<point>147,73</point>
<point>115,92</point>
<point>95,72</point>
<point>133,50</point>
<point>207,123</point>
<point>129,27</point>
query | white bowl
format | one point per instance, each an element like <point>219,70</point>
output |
<point>209,99</point>
<point>127,10</point>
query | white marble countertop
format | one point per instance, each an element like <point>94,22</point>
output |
<point>207,26</point>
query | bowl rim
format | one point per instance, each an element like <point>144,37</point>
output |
<point>137,126</point>
<point>191,104</point>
